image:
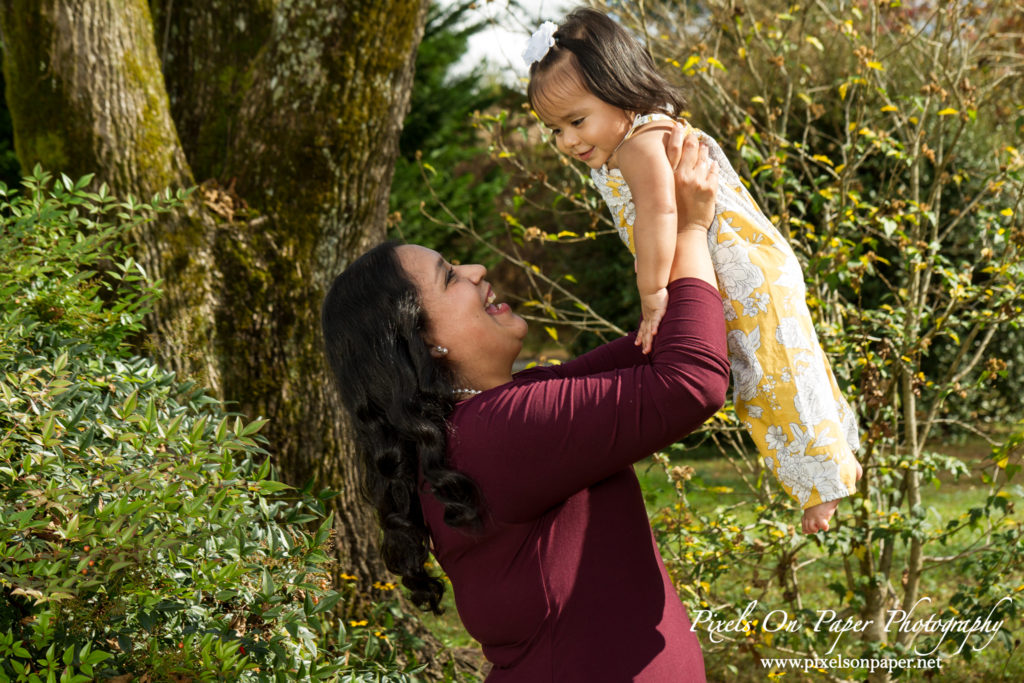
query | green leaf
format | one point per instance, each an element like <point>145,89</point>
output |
<point>327,602</point>
<point>268,486</point>
<point>130,403</point>
<point>268,587</point>
<point>222,430</point>
<point>60,363</point>
<point>253,427</point>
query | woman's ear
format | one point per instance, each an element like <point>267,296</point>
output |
<point>438,351</point>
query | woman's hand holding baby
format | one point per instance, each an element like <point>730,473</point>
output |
<point>696,178</point>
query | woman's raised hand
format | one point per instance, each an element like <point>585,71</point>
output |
<point>696,180</point>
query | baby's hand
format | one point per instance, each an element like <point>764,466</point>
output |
<point>816,517</point>
<point>653,306</point>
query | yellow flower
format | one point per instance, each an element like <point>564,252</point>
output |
<point>353,623</point>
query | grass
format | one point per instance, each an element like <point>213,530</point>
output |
<point>717,486</point>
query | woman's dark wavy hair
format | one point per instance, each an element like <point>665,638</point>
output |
<point>399,397</point>
<point>610,62</point>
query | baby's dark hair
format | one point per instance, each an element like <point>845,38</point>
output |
<point>611,64</point>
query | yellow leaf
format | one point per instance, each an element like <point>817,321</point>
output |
<point>691,62</point>
<point>948,111</point>
<point>816,43</point>
<point>740,140</point>
<point>742,52</point>
<point>877,66</point>
<point>553,332</point>
<point>1007,212</point>
<point>757,99</point>
<point>714,62</point>
<point>890,107</point>
<point>843,87</point>
<point>823,159</point>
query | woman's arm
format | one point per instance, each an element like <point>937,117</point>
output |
<point>619,353</point>
<point>529,446</point>
<point>696,182</point>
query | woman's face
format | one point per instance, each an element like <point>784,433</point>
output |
<point>483,337</point>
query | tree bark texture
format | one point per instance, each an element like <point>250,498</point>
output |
<point>86,96</point>
<point>292,109</point>
<point>206,48</point>
<point>315,145</point>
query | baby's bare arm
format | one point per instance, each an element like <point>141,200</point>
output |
<point>645,168</point>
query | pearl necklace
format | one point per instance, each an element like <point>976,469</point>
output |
<point>468,392</point>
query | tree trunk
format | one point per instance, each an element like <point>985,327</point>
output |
<point>313,94</point>
<point>317,136</point>
<point>206,48</point>
<point>85,94</point>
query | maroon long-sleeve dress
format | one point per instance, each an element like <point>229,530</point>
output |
<point>565,582</point>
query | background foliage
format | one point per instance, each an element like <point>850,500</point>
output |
<point>882,138</point>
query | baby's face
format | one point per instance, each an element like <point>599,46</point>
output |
<point>585,127</point>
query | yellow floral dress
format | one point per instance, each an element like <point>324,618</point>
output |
<point>784,391</point>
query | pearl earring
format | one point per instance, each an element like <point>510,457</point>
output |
<point>441,350</point>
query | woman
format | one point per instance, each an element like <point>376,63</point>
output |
<point>522,487</point>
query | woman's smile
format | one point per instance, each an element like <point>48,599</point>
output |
<point>481,352</point>
<point>492,307</point>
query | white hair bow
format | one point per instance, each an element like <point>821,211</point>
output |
<point>542,40</point>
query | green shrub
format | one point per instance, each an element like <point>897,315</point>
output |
<point>142,534</point>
